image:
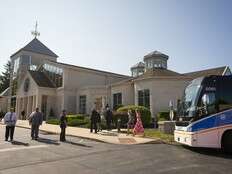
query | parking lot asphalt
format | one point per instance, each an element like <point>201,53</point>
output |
<point>48,155</point>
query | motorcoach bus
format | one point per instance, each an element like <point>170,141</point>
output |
<point>205,113</point>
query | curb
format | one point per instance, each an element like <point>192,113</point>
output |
<point>55,133</point>
<point>154,141</point>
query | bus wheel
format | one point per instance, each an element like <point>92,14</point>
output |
<point>227,142</point>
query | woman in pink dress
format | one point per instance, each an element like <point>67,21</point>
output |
<point>138,129</point>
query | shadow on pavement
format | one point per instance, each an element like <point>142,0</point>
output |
<point>77,144</point>
<point>19,143</point>
<point>48,141</point>
<point>209,152</point>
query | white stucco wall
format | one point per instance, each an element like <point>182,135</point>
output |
<point>3,104</point>
<point>127,90</point>
<point>79,78</point>
<point>93,84</point>
<point>92,93</point>
<point>161,92</point>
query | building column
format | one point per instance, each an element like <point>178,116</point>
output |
<point>33,102</point>
<point>28,106</point>
<point>38,101</point>
<point>16,106</point>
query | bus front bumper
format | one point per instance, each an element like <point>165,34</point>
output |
<point>184,137</point>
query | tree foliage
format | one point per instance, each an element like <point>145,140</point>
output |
<point>5,77</point>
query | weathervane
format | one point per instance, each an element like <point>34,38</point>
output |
<point>35,33</point>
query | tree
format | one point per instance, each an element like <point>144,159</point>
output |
<point>5,77</point>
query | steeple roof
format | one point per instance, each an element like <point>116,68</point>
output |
<point>37,47</point>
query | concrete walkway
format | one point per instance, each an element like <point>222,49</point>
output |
<point>108,137</point>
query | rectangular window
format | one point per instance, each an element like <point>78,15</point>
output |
<point>16,66</point>
<point>82,104</point>
<point>144,98</point>
<point>117,100</point>
<point>55,74</point>
<point>26,60</point>
<point>225,95</point>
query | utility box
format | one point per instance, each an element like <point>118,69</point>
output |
<point>166,127</point>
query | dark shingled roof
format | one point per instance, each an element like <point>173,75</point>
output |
<point>37,47</point>
<point>207,72</point>
<point>41,79</point>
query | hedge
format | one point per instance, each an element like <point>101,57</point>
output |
<point>164,115</point>
<point>122,116</point>
<point>145,113</point>
<point>74,117</point>
<point>77,122</point>
<point>73,120</point>
<point>53,121</point>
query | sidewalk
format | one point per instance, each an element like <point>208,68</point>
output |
<point>105,136</point>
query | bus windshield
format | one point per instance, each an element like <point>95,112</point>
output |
<point>188,105</point>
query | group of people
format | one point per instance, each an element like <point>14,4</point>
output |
<point>36,120</point>
<point>137,127</point>
<point>135,124</point>
<point>10,119</point>
<point>96,117</point>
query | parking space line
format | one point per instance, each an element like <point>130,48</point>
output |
<point>22,148</point>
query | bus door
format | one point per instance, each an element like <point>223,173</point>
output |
<point>207,135</point>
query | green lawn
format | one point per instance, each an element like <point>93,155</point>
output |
<point>154,133</point>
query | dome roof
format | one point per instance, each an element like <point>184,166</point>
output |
<point>156,54</point>
<point>138,65</point>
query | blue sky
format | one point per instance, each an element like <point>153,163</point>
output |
<point>113,35</point>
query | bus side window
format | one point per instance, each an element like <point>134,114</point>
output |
<point>225,96</point>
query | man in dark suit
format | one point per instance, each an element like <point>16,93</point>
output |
<point>93,121</point>
<point>109,118</point>
<point>63,125</point>
<point>35,120</point>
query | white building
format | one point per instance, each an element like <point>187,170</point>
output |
<point>38,80</point>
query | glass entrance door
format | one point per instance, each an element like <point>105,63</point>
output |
<point>44,106</point>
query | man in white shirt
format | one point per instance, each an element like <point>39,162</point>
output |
<point>10,120</point>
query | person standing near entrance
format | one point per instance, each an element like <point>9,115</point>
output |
<point>109,117</point>
<point>35,120</point>
<point>10,120</point>
<point>63,125</point>
<point>93,121</point>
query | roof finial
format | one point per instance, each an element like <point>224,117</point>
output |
<point>35,33</point>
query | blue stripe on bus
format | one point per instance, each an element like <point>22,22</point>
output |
<point>219,119</point>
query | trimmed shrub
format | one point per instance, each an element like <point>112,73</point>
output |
<point>73,120</point>
<point>116,107</point>
<point>77,122</point>
<point>164,115</point>
<point>53,121</point>
<point>145,113</point>
<point>78,117</point>
<point>122,116</point>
